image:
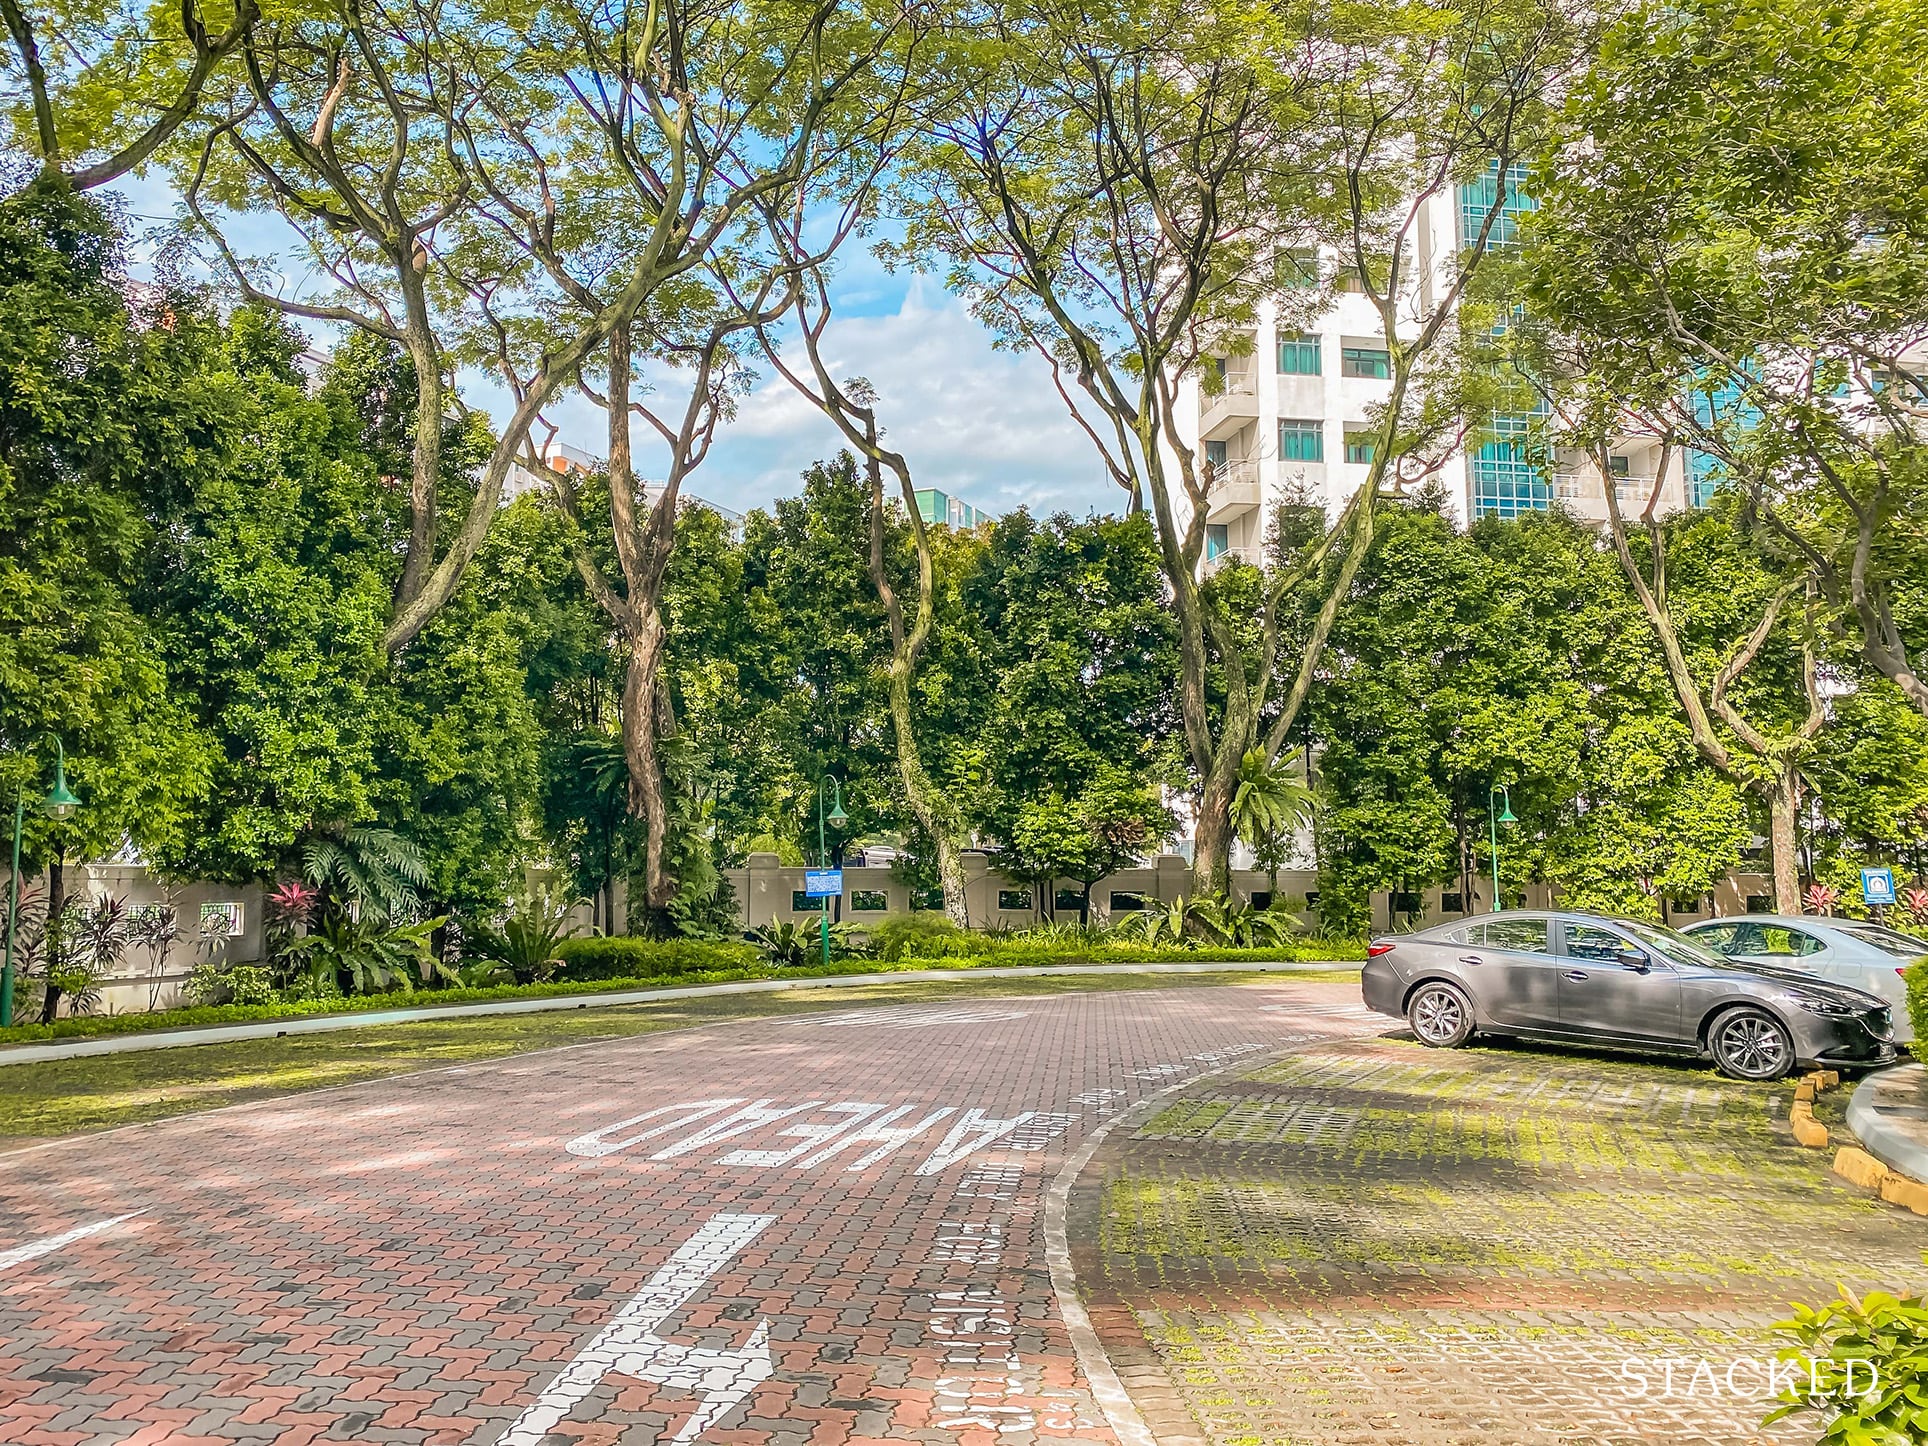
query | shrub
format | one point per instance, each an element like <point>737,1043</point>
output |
<point>625,957</point>
<point>921,936</point>
<point>1861,1365</point>
<point>231,984</point>
<point>1915,982</point>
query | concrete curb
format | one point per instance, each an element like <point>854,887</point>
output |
<point>1809,1131</point>
<point>325,1023</point>
<point>1887,1143</point>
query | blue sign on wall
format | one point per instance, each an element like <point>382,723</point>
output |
<point>823,883</point>
<point>1878,886</point>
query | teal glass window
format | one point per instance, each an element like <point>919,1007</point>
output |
<point>1365,361</point>
<point>1301,441</point>
<point>1217,542</point>
<point>1477,200</point>
<point>1359,447</point>
<point>1506,480</point>
<point>1299,356</point>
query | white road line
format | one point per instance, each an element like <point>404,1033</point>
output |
<point>34,1249</point>
<point>629,1345</point>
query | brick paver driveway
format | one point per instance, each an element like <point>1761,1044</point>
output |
<point>824,1228</point>
<point>1375,1243</point>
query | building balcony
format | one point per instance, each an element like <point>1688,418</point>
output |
<point>1235,491</point>
<point>1225,415</point>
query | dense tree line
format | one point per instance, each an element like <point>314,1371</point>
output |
<point>201,543</point>
<point>273,612</point>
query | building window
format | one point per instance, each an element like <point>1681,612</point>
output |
<point>1477,200</point>
<point>1126,901</point>
<point>1301,440</point>
<point>1217,542</point>
<point>928,899</point>
<point>869,901</point>
<point>1374,362</point>
<point>1506,480</point>
<point>1215,454</point>
<point>1261,899</point>
<point>221,921</point>
<point>1619,465</point>
<point>1299,355</point>
<point>1452,903</point>
<point>1759,904</point>
<point>1299,268</point>
<point>802,903</point>
<point>1359,448</point>
<point>1014,899</point>
<point>1068,899</point>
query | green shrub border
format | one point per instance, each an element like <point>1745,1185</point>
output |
<point>1008,956</point>
<point>1914,983</point>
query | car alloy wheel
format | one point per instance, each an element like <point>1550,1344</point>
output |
<point>1749,1044</point>
<point>1440,1016</point>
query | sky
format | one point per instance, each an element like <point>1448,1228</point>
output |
<point>984,425</point>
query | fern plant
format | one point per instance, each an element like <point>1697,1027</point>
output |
<point>374,871</point>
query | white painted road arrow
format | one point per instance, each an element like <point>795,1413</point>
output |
<point>629,1345</point>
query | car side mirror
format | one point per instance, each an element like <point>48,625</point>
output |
<point>1635,960</point>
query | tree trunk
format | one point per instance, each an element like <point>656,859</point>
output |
<point>56,906</point>
<point>1212,838</point>
<point>1783,811</point>
<point>642,752</point>
<point>950,875</point>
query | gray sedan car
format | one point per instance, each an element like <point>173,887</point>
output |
<point>1620,983</point>
<point>1868,956</point>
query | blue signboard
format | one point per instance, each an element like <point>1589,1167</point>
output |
<point>823,883</point>
<point>1878,886</point>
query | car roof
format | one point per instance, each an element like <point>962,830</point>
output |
<point>1790,921</point>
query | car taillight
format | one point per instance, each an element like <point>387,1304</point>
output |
<point>1373,951</point>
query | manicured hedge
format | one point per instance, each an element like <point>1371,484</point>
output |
<point>1915,982</point>
<point>627,958</point>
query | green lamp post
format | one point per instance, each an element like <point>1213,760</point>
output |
<point>1493,823</point>
<point>59,803</point>
<point>837,819</point>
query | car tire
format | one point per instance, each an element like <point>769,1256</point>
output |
<point>1750,1044</point>
<point>1441,1016</point>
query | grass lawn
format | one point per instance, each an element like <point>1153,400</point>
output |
<point>63,1097</point>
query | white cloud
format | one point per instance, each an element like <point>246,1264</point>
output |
<point>986,425</point>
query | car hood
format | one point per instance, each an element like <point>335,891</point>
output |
<point>1805,983</point>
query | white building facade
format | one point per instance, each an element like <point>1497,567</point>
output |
<point>1287,411</point>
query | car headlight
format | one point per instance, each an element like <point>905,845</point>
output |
<point>1831,1008</point>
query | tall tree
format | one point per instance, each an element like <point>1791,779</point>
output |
<point>94,89</point>
<point>1118,187</point>
<point>1748,272</point>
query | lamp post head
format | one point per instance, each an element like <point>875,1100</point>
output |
<point>1506,812</point>
<point>61,802</point>
<point>837,818</point>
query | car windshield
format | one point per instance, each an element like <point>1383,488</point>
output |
<point>1888,941</point>
<point>1675,944</point>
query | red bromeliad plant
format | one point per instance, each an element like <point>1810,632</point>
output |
<point>1914,903</point>
<point>293,903</point>
<point>1821,898</point>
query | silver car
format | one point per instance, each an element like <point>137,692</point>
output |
<point>1848,951</point>
<point>1621,983</point>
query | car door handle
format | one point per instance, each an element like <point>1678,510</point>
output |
<point>1471,959</point>
<point>1576,975</point>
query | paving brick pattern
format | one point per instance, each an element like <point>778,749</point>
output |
<point>1375,1243</point>
<point>417,1260</point>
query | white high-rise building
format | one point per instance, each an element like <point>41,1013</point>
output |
<point>1287,413</point>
